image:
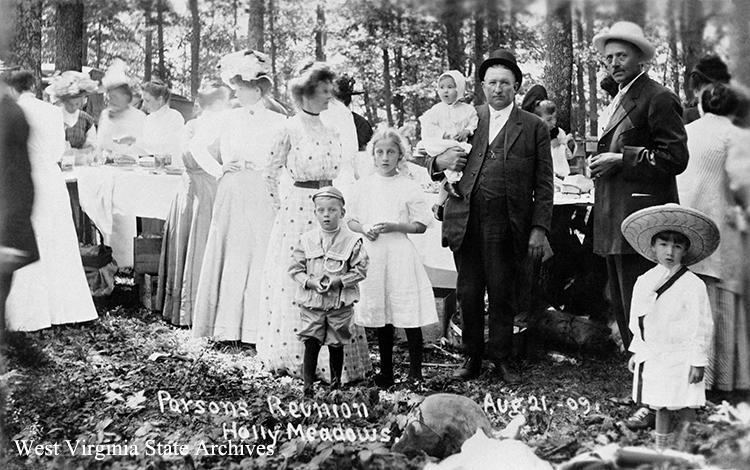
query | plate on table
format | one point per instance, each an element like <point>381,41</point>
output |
<point>174,170</point>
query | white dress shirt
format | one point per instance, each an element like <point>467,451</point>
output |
<point>498,118</point>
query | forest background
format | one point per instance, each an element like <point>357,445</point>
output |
<point>395,49</point>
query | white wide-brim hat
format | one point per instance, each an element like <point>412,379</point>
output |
<point>248,64</point>
<point>641,226</point>
<point>628,32</point>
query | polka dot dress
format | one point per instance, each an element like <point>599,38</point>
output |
<point>311,152</point>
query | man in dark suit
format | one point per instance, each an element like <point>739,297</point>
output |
<point>641,149</point>
<point>503,217</point>
<point>642,146</point>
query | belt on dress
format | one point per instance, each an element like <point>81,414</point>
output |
<point>313,184</point>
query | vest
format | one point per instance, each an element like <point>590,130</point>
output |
<point>491,182</point>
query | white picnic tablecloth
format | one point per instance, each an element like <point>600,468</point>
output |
<point>113,197</point>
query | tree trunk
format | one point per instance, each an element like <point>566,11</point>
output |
<point>160,40</point>
<point>369,107</point>
<point>272,28</point>
<point>26,51</point>
<point>195,49</point>
<point>558,69</point>
<point>69,35</point>
<point>387,94</point>
<point>256,25</point>
<point>692,24</point>
<point>398,98</point>
<point>674,59</point>
<point>495,37</point>
<point>148,62</point>
<point>578,125</point>
<point>588,14</point>
<point>478,53</point>
<point>320,34</point>
<point>631,10</point>
<point>452,18</point>
<point>741,42</point>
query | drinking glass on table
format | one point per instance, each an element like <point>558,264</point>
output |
<point>160,162</point>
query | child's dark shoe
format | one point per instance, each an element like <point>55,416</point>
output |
<point>452,189</point>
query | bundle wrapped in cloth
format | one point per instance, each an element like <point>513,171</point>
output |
<point>147,162</point>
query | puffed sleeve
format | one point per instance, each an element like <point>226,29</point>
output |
<point>206,135</point>
<point>704,326</point>
<point>430,121</point>
<point>416,205</point>
<point>352,194</point>
<point>276,163</point>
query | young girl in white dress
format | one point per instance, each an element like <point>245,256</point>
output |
<point>670,315</point>
<point>385,206</point>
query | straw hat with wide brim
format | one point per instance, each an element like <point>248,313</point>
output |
<point>628,32</point>
<point>641,226</point>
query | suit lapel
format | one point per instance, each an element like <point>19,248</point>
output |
<point>512,128</point>
<point>626,104</point>
<point>482,134</point>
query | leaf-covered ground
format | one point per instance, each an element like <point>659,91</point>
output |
<point>130,383</point>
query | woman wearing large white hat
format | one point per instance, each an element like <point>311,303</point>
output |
<point>228,296</point>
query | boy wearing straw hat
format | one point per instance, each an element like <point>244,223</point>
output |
<point>670,317</point>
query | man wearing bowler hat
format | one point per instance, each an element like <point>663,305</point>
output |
<point>503,216</point>
<point>642,147</point>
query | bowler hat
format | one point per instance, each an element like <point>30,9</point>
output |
<point>501,57</point>
<point>628,32</point>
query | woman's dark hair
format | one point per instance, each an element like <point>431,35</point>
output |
<point>21,81</point>
<point>545,108</point>
<point>671,236</point>
<point>719,99</point>
<point>264,85</point>
<point>124,88</point>
<point>306,84</point>
<point>157,89</point>
<point>709,69</point>
<point>533,97</point>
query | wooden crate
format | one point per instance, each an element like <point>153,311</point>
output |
<point>147,290</point>
<point>146,253</point>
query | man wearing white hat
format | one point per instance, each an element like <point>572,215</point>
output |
<point>641,149</point>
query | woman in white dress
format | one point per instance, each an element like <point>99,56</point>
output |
<point>706,185</point>
<point>162,127</point>
<point>226,305</point>
<point>189,220</point>
<point>120,124</point>
<point>53,290</point>
<point>312,154</point>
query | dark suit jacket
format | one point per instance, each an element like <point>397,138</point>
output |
<point>648,130</point>
<point>528,176</point>
<point>16,186</point>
